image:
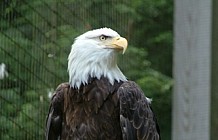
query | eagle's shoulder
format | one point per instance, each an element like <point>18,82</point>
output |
<point>61,89</point>
<point>54,117</point>
<point>136,116</point>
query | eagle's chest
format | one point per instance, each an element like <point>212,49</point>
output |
<point>92,113</point>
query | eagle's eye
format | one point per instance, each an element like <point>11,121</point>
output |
<point>103,37</point>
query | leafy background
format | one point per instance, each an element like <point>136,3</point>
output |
<point>35,40</point>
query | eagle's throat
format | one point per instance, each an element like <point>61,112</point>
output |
<point>95,66</point>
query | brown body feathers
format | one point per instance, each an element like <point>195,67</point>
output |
<point>99,111</point>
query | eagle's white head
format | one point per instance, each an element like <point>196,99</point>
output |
<point>94,54</point>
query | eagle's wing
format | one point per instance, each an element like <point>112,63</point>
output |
<point>136,116</point>
<point>54,117</point>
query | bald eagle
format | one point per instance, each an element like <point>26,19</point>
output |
<point>98,102</point>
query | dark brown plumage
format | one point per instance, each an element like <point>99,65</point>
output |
<point>99,110</point>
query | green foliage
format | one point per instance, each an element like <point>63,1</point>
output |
<point>36,38</point>
<point>152,29</point>
<point>134,63</point>
<point>22,117</point>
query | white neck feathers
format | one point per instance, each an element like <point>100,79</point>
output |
<point>86,61</point>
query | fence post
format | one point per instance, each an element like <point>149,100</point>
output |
<point>195,98</point>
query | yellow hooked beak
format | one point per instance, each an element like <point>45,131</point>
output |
<point>119,43</point>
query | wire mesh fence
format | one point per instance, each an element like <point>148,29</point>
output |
<point>36,38</point>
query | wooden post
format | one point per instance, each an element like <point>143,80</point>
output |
<point>195,70</point>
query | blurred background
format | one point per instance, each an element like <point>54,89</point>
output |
<point>36,38</point>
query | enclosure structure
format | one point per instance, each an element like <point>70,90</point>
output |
<point>195,99</point>
<point>36,38</point>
